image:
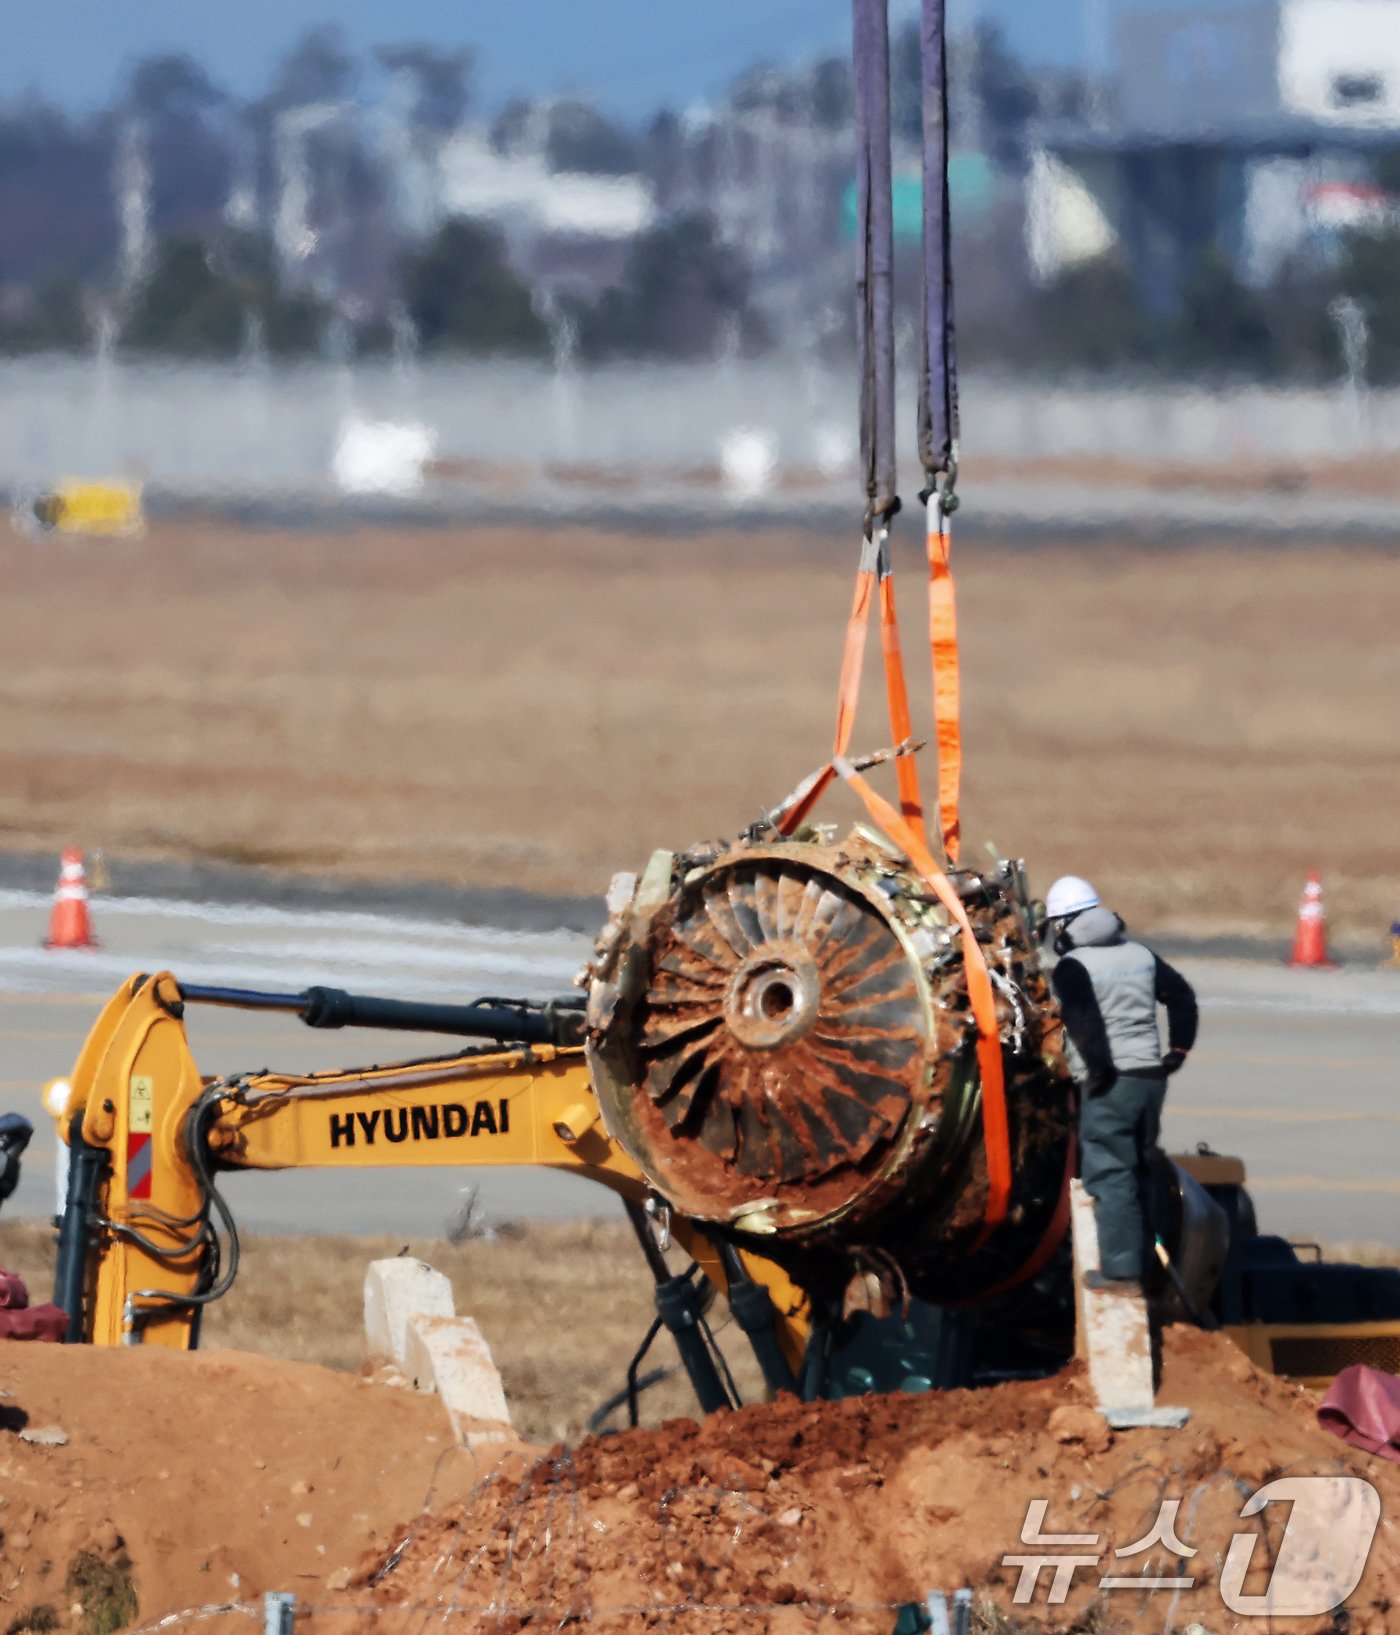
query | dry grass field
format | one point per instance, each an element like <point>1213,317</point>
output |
<point>1195,728</point>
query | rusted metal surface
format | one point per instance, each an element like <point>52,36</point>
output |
<point>780,1036</point>
<point>783,1029</point>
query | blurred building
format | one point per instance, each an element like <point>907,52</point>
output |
<point>1251,129</point>
<point>521,190</point>
<point>772,179</point>
<point>571,229</point>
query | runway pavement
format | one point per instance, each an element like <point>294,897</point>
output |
<point>1297,1072</point>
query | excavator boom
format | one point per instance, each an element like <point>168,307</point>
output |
<point>146,1240</point>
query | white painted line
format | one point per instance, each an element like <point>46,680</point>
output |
<point>255,914</point>
<point>254,946</point>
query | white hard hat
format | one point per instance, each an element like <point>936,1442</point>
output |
<point>1068,897</point>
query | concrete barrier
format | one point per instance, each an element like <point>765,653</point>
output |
<point>1113,1334</point>
<point>449,1355</point>
<point>411,1324</point>
<point>396,1290</point>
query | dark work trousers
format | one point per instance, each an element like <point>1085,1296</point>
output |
<point>1118,1132</point>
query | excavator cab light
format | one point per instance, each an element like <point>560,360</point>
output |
<point>575,1122</point>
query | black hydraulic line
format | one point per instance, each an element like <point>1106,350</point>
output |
<point>629,1396</point>
<point>678,1308</point>
<point>559,1022</point>
<point>1202,1319</point>
<point>633,1389</point>
<point>755,1313</point>
<point>244,999</point>
<point>70,1274</point>
<point>334,1008</point>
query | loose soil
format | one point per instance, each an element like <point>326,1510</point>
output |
<point>797,1517</point>
<point>1194,728</point>
<point>203,1481</point>
<point>198,1480</point>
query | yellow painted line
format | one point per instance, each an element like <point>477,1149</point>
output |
<point>1317,1183</point>
<point>1283,1115</point>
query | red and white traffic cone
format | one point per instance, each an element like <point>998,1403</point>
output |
<point>1310,943</point>
<point>70,924</point>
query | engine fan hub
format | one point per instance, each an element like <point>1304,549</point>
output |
<point>773,999</point>
<point>774,1038</point>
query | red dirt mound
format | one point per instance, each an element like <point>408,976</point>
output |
<point>137,1484</point>
<point>815,1517</point>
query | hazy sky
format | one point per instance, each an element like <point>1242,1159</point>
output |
<point>632,55</point>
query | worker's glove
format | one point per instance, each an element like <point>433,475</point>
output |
<point>1173,1062</point>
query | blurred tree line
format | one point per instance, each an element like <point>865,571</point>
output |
<point>211,282</point>
<point>681,292</point>
<point>1093,318</point>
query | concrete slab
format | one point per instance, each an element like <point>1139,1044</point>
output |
<point>1113,1333</point>
<point>450,1355</point>
<point>396,1291</point>
<point>1132,1419</point>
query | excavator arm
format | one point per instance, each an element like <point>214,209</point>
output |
<point>146,1239</point>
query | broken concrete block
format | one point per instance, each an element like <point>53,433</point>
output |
<point>396,1290</point>
<point>450,1355</point>
<point>45,1436</point>
<point>1112,1334</point>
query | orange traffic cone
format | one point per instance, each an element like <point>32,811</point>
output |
<point>1310,944</point>
<point>70,925</point>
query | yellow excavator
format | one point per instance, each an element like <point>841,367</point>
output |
<point>146,1241</point>
<point>775,1066</point>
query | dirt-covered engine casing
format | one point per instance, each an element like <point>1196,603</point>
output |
<point>780,1036</point>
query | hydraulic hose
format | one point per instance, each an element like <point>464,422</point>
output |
<point>506,1021</point>
<point>70,1276</point>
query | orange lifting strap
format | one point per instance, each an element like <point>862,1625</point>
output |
<point>947,676</point>
<point>905,827</point>
<point>996,1131</point>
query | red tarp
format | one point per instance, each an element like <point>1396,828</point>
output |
<point>1363,1408</point>
<point>21,1321</point>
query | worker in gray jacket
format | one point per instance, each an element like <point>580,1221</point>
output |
<point>1109,988</point>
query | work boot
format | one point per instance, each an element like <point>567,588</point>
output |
<point>1112,1285</point>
